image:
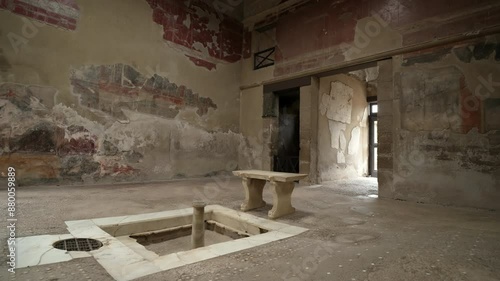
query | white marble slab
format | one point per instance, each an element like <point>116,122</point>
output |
<point>138,248</point>
<point>38,250</point>
<point>125,259</point>
<point>153,263</point>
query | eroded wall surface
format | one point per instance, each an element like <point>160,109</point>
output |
<point>423,97</point>
<point>327,33</point>
<point>446,140</point>
<point>110,99</point>
<point>252,127</point>
<point>201,29</point>
<point>60,13</point>
<point>342,128</point>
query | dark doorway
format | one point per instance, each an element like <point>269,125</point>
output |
<point>373,139</point>
<point>287,157</point>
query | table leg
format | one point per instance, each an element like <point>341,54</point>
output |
<point>253,194</point>
<point>282,199</point>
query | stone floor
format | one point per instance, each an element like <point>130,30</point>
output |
<point>352,236</point>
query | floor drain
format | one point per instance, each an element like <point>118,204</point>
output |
<point>78,244</point>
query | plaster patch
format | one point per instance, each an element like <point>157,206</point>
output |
<point>343,141</point>
<point>340,103</point>
<point>325,103</point>
<point>336,129</point>
<point>371,73</point>
<point>354,142</point>
<point>340,157</point>
<point>364,118</point>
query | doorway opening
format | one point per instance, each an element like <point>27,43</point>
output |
<point>373,143</point>
<point>286,158</point>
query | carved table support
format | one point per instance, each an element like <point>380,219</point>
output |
<point>282,199</point>
<point>253,194</point>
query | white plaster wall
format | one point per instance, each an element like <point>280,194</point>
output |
<point>342,128</point>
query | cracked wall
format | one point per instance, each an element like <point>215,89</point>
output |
<point>342,128</point>
<point>109,102</point>
<point>447,148</point>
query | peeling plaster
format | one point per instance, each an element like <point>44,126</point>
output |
<point>55,134</point>
<point>338,104</point>
<point>343,141</point>
<point>207,36</point>
<point>343,150</point>
<point>112,88</point>
<point>87,151</point>
<point>442,139</point>
<point>59,13</point>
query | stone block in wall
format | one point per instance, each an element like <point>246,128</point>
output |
<point>385,124</point>
<point>494,139</point>
<point>305,119</point>
<point>396,85</point>
<point>385,180</point>
<point>305,146</point>
<point>385,141</point>
<point>491,114</point>
<point>396,115</point>
<point>385,162</point>
<point>385,108</point>
<point>385,91</point>
<point>269,106</point>
<point>304,168</point>
<point>384,71</point>
<point>305,132</point>
<point>312,96</point>
<point>305,152</point>
<point>270,126</point>
<point>384,148</point>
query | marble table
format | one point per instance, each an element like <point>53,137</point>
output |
<point>281,184</point>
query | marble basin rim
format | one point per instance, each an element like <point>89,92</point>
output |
<point>125,259</point>
<point>152,222</point>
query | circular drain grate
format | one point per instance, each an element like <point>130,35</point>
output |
<point>78,244</point>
